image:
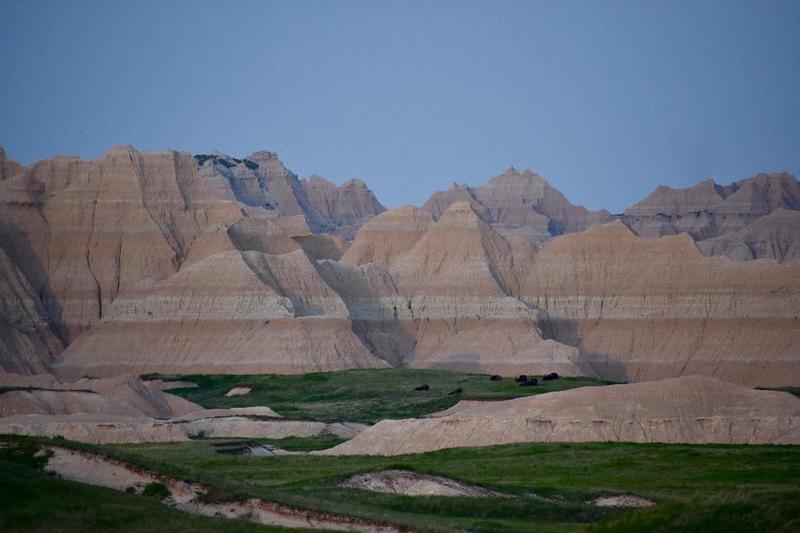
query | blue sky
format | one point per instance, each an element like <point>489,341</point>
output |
<point>604,99</point>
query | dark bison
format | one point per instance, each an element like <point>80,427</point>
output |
<point>551,377</point>
<point>423,387</point>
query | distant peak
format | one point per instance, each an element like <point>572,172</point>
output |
<point>355,182</point>
<point>461,210</point>
<point>263,155</point>
<point>122,149</point>
<point>316,179</point>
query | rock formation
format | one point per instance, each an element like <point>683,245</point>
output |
<point>140,262</point>
<point>773,236</point>
<point>233,312</point>
<point>691,409</point>
<point>128,410</point>
<point>28,339</point>
<point>520,204</point>
<point>121,396</point>
<point>265,187</point>
<point>642,309</point>
<point>339,209</point>
<point>734,218</point>
<point>452,292</point>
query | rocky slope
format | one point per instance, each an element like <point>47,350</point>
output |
<point>265,187</point>
<point>28,339</point>
<point>773,236</point>
<point>732,220</point>
<point>520,204</point>
<point>121,396</point>
<point>691,410</point>
<point>81,232</point>
<point>450,289</point>
<point>140,262</point>
<point>642,309</point>
<point>233,312</point>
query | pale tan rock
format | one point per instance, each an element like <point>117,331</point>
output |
<point>520,203</point>
<point>644,309</point>
<point>94,428</point>
<point>388,235</point>
<point>238,391</point>
<point>413,484</point>
<point>260,235</point>
<point>459,280</point>
<point>234,312</point>
<point>28,339</point>
<point>339,209</point>
<point>319,247</point>
<point>265,187</point>
<point>690,409</point>
<point>381,316</point>
<point>294,226</point>
<point>85,231</point>
<point>106,428</point>
<point>259,411</point>
<point>8,167</point>
<point>772,236</point>
<point>724,214</point>
<point>126,396</point>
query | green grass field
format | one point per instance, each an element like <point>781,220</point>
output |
<point>362,395</point>
<point>696,488</point>
<point>32,501</point>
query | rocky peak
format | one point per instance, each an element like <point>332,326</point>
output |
<point>8,167</point>
<point>354,183</point>
<point>721,214</point>
<point>462,212</point>
<point>262,156</point>
<point>318,181</point>
<point>520,204</point>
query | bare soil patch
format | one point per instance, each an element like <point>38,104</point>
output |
<point>413,484</point>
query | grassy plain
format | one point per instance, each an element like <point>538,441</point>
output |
<point>362,395</point>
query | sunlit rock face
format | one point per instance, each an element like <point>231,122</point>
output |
<point>82,232</point>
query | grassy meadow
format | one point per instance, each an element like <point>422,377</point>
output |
<point>547,486</point>
<point>366,396</point>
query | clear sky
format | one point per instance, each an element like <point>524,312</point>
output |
<point>604,99</point>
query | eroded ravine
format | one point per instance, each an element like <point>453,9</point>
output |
<point>98,470</point>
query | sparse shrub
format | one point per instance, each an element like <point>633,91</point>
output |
<point>156,490</point>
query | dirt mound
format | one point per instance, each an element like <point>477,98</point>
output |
<point>625,500</point>
<point>413,484</point>
<point>681,410</point>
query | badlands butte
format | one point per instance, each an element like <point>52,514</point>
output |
<point>173,263</point>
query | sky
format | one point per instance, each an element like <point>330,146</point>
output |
<point>605,100</point>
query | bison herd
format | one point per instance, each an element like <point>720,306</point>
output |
<point>522,380</point>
